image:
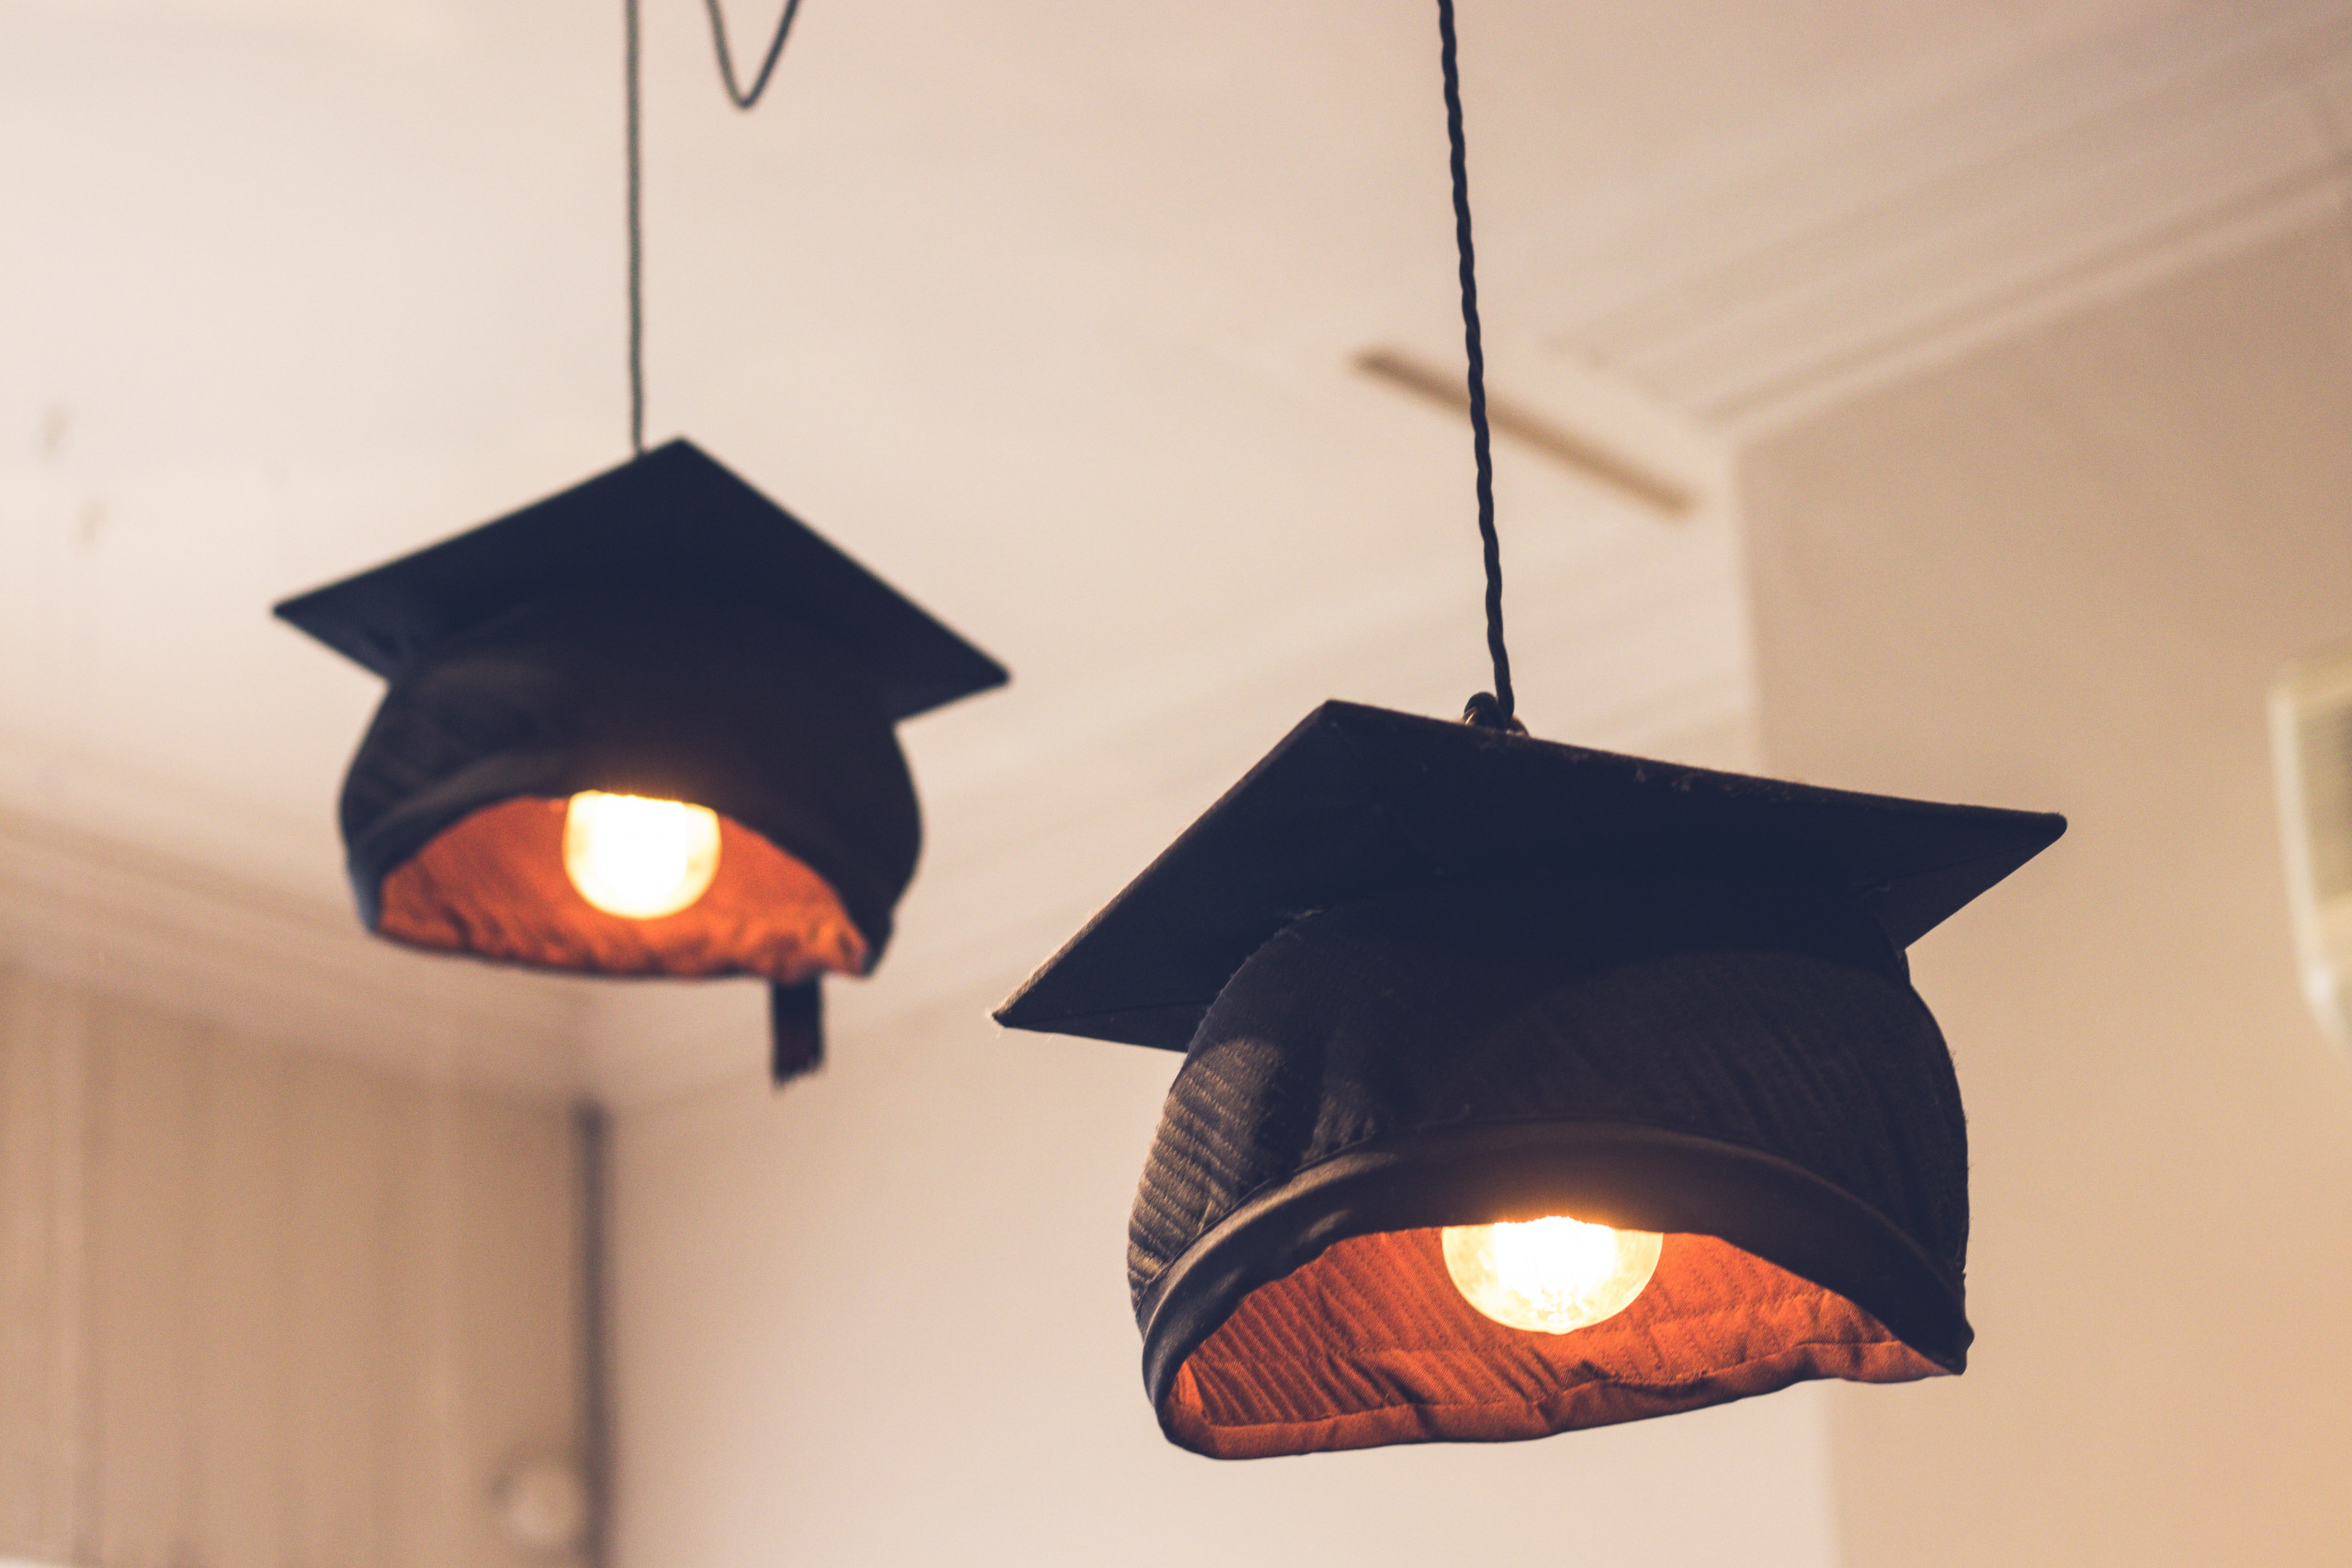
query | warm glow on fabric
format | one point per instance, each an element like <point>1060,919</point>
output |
<point>1399,1355</point>
<point>1552,1275</point>
<point>637,858</point>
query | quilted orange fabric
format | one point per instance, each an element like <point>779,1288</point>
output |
<point>1370,1344</point>
<point>493,884</point>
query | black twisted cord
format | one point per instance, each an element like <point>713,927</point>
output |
<point>635,244</point>
<point>742,99</point>
<point>1493,711</point>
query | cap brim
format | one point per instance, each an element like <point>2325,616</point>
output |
<point>672,519</point>
<point>1359,800</point>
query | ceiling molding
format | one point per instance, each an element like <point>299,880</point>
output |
<point>99,914</point>
<point>2102,161</point>
<point>1762,281</point>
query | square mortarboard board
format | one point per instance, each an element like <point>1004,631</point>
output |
<point>671,518</point>
<point>1358,801</point>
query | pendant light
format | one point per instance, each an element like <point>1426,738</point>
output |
<point>644,726</point>
<point>1529,1087</point>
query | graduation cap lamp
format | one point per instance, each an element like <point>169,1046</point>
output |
<point>642,727</point>
<point>1528,1088</point>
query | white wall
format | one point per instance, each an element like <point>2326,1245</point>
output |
<point>881,1318</point>
<point>262,1307</point>
<point>2061,574</point>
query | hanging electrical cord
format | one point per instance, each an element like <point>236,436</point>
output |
<point>1492,710</point>
<point>742,98</point>
<point>635,244</point>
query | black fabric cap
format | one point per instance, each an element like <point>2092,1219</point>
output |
<point>670,696</point>
<point>1358,801</point>
<point>669,520</point>
<point>1722,1058</point>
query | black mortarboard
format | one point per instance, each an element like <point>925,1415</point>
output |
<point>1357,801</point>
<point>1429,975</point>
<point>674,518</point>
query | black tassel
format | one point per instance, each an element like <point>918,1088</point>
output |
<point>796,1031</point>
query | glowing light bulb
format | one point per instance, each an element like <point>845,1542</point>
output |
<point>638,858</point>
<point>1551,1274</point>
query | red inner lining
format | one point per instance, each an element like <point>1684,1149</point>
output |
<point>1370,1344</point>
<point>495,885</point>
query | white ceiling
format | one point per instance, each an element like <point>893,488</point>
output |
<point>1044,309</point>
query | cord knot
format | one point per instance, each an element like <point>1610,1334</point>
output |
<point>1487,712</point>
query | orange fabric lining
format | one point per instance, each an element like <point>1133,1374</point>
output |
<point>494,885</point>
<point>1370,1344</point>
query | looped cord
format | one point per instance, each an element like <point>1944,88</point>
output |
<point>745,100</point>
<point>1484,710</point>
<point>742,99</point>
<point>1494,711</point>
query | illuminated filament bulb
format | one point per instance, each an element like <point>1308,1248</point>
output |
<point>1550,1275</point>
<point>638,858</point>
